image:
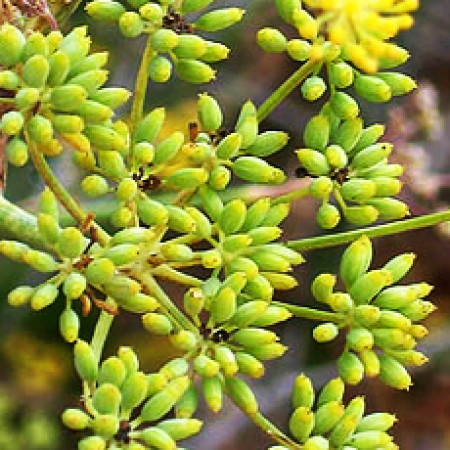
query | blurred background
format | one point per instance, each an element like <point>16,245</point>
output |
<point>37,379</point>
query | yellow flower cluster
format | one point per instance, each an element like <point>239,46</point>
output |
<point>362,28</point>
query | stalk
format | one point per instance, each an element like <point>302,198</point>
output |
<point>311,313</point>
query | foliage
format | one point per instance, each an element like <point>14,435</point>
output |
<point>174,208</point>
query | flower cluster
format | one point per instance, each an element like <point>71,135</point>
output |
<point>56,91</point>
<point>381,319</point>
<point>171,34</point>
<point>324,423</point>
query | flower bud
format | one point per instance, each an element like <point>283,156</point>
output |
<point>157,438</point>
<point>223,305</point>
<point>267,352</point>
<point>322,287</point>
<point>112,370</point>
<point>370,362</point>
<point>93,112</point>
<point>390,208</point>
<point>256,170</point>
<point>418,310</point>
<point>348,134</point>
<point>336,156</point>
<point>12,42</point>
<point>211,259</point>
<point>387,187</point>
<point>315,443</point>
<point>305,23</point>
<point>328,216</point>
<point>371,156</point>
<point>35,71</point>
<point>160,69</point>
<point>75,419</point>
<point>131,24</point>
<point>212,392</point>
<point>59,68</point>
<point>94,186</point>
<point>134,390</point>
<point>9,80</point>
<point>272,316</point>
<point>368,285</point>
<point>376,421</point>
<point>100,271</point>
<point>105,425</point>
<point>92,443</point>
<point>193,71</point>
<point>367,315</point>
<point>271,40</point>
<point>317,133</point>
<point>325,332</point>
<point>68,98</point>
<point>298,49</point>
<point>350,368</point>
<point>11,123</point>
<point>286,9</point>
<point>179,429</point>
<point>359,339</point>
<point>253,337</point>
<point>190,46</point>
<point>43,296</point>
<point>70,243</point>
<point>229,146</point>
<point>333,391</point>
<point>248,312</point>
<point>106,10</point>
<point>151,212</point>
<point>188,403</point>
<point>344,106</point>
<point>218,19</point>
<point>249,365</point>
<point>340,302</point>
<point>26,97</point>
<point>313,161</point>
<point>151,12</point>
<point>409,357</point>
<point>301,423</point>
<point>361,215</point>
<point>188,178</point>
<point>321,188</point>
<point>157,324</point>
<point>372,89</point>
<point>69,325</point>
<point>313,88</point>
<point>209,113</point>
<point>393,373</point>
<point>36,44</point>
<point>184,340</point>
<point>241,394</point>
<point>85,361</point>
<point>107,399</point>
<point>341,75</point>
<point>327,416</point>
<point>400,266</point>
<point>13,250</point>
<point>17,152</point>
<point>356,260</point>
<point>302,392</point>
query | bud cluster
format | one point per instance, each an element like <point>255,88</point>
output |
<point>324,422</point>
<point>345,160</point>
<point>126,407</point>
<point>382,320</point>
<point>171,35</point>
<point>58,94</point>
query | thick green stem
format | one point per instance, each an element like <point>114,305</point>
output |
<point>154,288</point>
<point>311,313</point>
<point>101,333</point>
<point>272,431</point>
<point>285,89</point>
<point>292,196</point>
<point>61,193</point>
<point>425,221</point>
<point>168,273</point>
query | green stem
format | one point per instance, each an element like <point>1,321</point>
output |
<point>168,273</point>
<point>292,196</point>
<point>285,89</point>
<point>101,333</point>
<point>424,221</point>
<point>153,287</point>
<point>274,432</point>
<point>140,87</point>
<point>61,193</point>
<point>311,313</point>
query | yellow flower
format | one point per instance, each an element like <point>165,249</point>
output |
<point>362,28</point>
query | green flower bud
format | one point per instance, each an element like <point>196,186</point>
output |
<point>213,393</point>
<point>259,287</point>
<point>358,190</point>
<point>139,303</point>
<point>215,51</point>
<point>158,438</point>
<point>209,113</point>
<point>360,339</point>
<point>150,126</point>
<point>54,39</point>
<point>85,361</point>
<point>409,357</point>
<point>17,152</point>
<point>248,130</point>
<point>35,71</point>
<point>328,216</point>
<point>390,208</point>
<point>322,286</point>
<point>184,340</point>
<point>180,220</point>
<point>317,133</point>
<point>40,129</point>
<point>9,80</point>
<point>69,325</point>
<point>268,143</point>
<point>112,371</point>
<point>177,252</point>
<point>12,42</point>
<point>122,288</point>
<point>92,443</point>
<point>398,83</point>
<point>393,319</point>
<point>129,358</point>
<point>59,68</point>
<point>370,362</point>
<point>366,287</point>
<point>229,146</point>
<point>245,265</point>
<point>68,98</point>
<point>281,281</point>
<point>11,123</point>
<point>107,398</point>
<point>20,295</point>
<point>343,430</point>
<point>75,419</point>
<point>371,156</point>
<point>94,112</point>
<point>152,12</point>
<point>327,416</point>
<point>298,49</point>
<point>253,169</point>
<point>126,190</point>
<point>36,44</point>
<point>344,106</point>
<point>400,266</point>
<point>134,390</point>
<point>286,9</point>
<point>302,392</point>
<point>193,301</point>
<point>313,161</point>
<point>249,312</point>
<point>301,423</point>
<point>162,402</point>
<point>227,360</point>
<point>40,261</point>
<point>157,324</point>
<point>144,153</point>
<point>313,88</point>
<point>253,337</point>
<point>348,134</point>
<point>218,19</point>
<point>232,216</point>
<point>369,136</point>
<point>350,368</point>
<point>13,250</point>
<point>321,188</point>
<point>179,429</point>
<point>361,215</point>
<point>372,89</point>
<point>271,262</point>
<point>396,297</point>
<point>106,10</point>
<point>76,44</point>
<point>94,186</point>
<point>241,394</point>
<point>188,403</point>
<point>131,24</point>
<point>211,259</point>
<point>152,212</point>
<point>71,243</point>
<point>268,351</point>
<point>190,46</point>
<point>376,422</point>
<point>340,302</point>
<point>316,443</point>
<point>272,316</point>
<point>336,156</point>
<point>90,80</point>
<point>164,40</point>
<point>418,310</point>
<point>223,306</point>
<point>271,40</point>
<point>74,285</point>
<point>193,71</point>
<point>105,425</point>
<point>175,368</point>
<point>160,69</point>
<point>305,23</point>
<point>108,140</point>
<point>188,178</point>
<point>389,337</point>
<point>132,235</point>
<point>100,271</point>
<point>387,187</point>
<point>333,391</point>
<point>249,365</point>
<point>341,75</point>
<point>26,97</point>
<point>367,315</point>
<point>65,123</point>
<point>325,332</point>
<point>113,97</point>
<point>393,373</point>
